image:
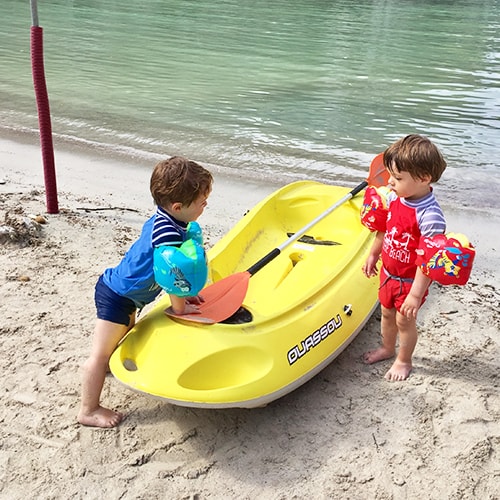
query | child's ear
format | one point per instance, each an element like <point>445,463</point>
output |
<point>426,179</point>
<point>176,207</point>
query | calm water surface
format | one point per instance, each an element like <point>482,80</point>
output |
<point>313,88</point>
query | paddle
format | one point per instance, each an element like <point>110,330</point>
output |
<point>224,297</point>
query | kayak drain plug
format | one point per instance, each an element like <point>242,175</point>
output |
<point>129,365</point>
<point>348,309</point>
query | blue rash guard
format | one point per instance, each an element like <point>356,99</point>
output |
<point>133,277</point>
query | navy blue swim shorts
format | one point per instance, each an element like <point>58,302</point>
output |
<point>111,306</point>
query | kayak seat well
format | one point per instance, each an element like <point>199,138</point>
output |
<point>303,267</point>
<point>233,367</point>
<point>294,277</point>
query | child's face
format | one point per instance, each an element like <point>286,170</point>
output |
<point>406,186</point>
<point>188,213</point>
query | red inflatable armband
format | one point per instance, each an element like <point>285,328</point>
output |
<point>374,209</point>
<point>446,259</point>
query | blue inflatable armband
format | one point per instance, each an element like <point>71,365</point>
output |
<point>181,271</point>
<point>193,232</point>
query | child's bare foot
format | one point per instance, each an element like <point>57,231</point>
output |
<point>101,417</point>
<point>379,354</point>
<point>398,371</point>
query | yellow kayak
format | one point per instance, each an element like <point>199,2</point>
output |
<point>301,310</point>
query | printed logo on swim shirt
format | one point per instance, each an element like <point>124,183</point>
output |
<point>398,246</point>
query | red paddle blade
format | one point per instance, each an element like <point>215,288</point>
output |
<point>378,175</point>
<point>221,300</point>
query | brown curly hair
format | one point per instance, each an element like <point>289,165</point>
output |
<point>179,180</point>
<point>416,155</point>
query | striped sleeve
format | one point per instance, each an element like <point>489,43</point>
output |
<point>166,231</point>
<point>431,219</point>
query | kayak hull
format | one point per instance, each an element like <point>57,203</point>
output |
<point>299,313</point>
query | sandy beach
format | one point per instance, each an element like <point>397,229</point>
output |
<point>346,434</point>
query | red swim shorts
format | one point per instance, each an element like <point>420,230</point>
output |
<point>393,291</point>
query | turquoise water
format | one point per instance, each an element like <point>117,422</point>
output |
<point>313,88</point>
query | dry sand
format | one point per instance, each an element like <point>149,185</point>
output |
<point>346,434</point>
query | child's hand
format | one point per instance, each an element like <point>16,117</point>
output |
<point>370,267</point>
<point>189,305</point>
<point>185,305</point>
<point>413,301</point>
<point>410,306</point>
<point>190,309</point>
<point>197,299</point>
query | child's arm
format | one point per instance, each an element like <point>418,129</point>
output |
<point>413,301</point>
<point>370,267</point>
<point>181,305</point>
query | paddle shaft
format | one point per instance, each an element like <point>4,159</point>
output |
<point>275,252</point>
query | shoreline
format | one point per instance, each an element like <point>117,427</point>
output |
<point>137,159</point>
<point>85,172</point>
<point>453,191</point>
<point>347,433</point>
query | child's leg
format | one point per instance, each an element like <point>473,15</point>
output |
<point>389,332</point>
<point>402,366</point>
<point>106,338</point>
